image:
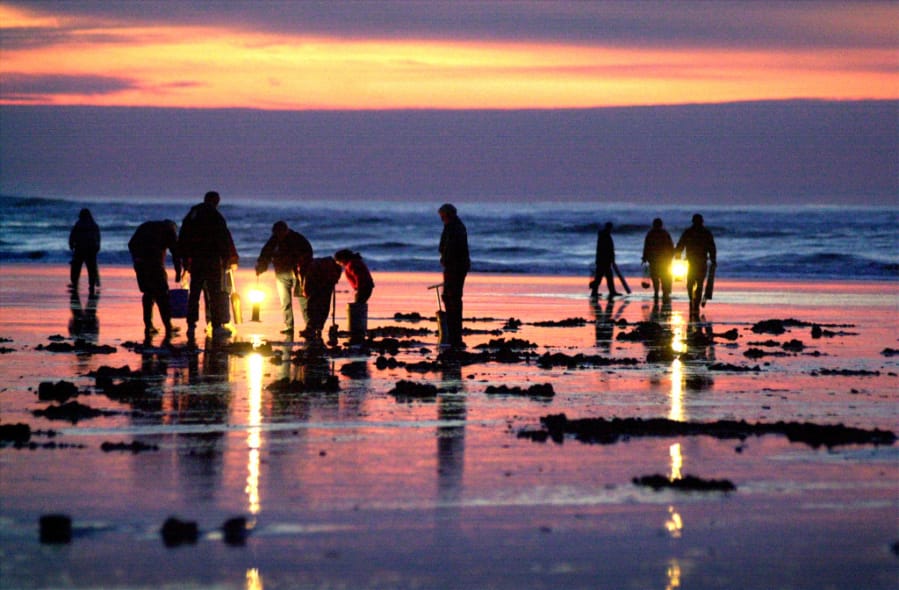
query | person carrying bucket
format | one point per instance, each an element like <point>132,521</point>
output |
<point>148,246</point>
<point>289,252</point>
<point>360,280</point>
<point>357,274</point>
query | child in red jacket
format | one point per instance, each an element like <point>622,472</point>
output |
<point>357,274</point>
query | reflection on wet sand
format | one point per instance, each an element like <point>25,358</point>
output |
<point>254,364</point>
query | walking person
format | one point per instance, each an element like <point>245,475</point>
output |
<point>699,245</point>
<point>605,258</point>
<point>290,253</point>
<point>658,251</point>
<point>456,262</point>
<point>357,274</point>
<point>84,242</point>
<point>148,248</point>
<point>207,251</point>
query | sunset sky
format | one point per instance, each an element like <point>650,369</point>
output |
<point>374,56</point>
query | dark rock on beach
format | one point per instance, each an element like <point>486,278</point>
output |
<point>560,359</point>
<point>733,368</point>
<point>846,373</point>
<point>234,531</point>
<point>71,412</point>
<point>687,483</point>
<point>61,391</point>
<point>609,431</point>
<point>55,529</point>
<point>15,433</point>
<point>177,532</point>
<point>542,390</point>
<point>566,323</point>
<point>132,447</point>
<point>410,390</point>
<point>80,346</point>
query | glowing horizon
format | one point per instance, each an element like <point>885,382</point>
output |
<point>92,62</point>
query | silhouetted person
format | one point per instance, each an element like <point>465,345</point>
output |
<point>658,251</point>
<point>207,251</point>
<point>357,274</point>
<point>290,253</point>
<point>321,277</point>
<point>148,247</point>
<point>456,262</point>
<point>84,242</point>
<point>700,247</point>
<point>605,258</point>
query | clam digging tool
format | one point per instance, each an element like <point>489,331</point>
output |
<point>624,284</point>
<point>236,311</point>
<point>442,331</point>
<point>333,330</point>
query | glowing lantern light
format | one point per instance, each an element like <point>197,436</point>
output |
<point>679,269</point>
<point>256,297</point>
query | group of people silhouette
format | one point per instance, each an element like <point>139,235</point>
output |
<point>659,252</point>
<point>204,249</point>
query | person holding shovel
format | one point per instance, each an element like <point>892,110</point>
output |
<point>456,262</point>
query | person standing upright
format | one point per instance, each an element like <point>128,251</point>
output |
<point>699,244</point>
<point>605,258</point>
<point>84,242</point>
<point>207,251</point>
<point>148,246</point>
<point>658,251</point>
<point>290,253</point>
<point>456,262</point>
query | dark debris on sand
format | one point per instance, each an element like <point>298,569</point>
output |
<point>134,447</point>
<point>687,483</point>
<point>777,327</point>
<point>582,361</point>
<point>610,431</point>
<point>538,390</point>
<point>61,391</point>
<point>80,346</point>
<point>71,412</point>
<point>408,391</point>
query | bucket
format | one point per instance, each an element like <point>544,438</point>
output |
<point>357,317</point>
<point>178,302</point>
<point>442,328</point>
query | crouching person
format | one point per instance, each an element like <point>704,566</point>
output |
<point>321,276</point>
<point>148,248</point>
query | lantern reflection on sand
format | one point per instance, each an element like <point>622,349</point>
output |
<point>254,432</point>
<point>673,573</point>
<point>254,579</point>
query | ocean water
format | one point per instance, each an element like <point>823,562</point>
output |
<point>543,238</point>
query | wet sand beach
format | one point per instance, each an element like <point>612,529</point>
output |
<point>461,480</point>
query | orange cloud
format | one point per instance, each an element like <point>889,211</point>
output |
<point>211,67</point>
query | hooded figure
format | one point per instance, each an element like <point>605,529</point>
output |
<point>148,247</point>
<point>84,242</point>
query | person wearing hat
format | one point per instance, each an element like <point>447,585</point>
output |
<point>456,262</point>
<point>699,245</point>
<point>290,253</point>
